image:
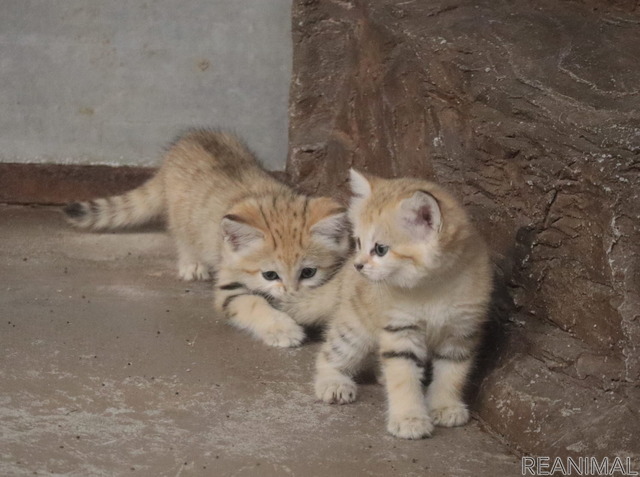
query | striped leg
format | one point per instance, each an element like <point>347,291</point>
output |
<point>444,395</point>
<point>254,313</point>
<point>403,354</point>
<point>347,346</point>
<point>452,362</point>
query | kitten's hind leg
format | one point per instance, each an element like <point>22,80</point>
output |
<point>444,395</point>
<point>189,267</point>
<point>341,357</point>
<point>403,355</point>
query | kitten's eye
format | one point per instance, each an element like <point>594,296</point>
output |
<point>308,272</point>
<point>358,246</point>
<point>380,250</point>
<point>270,275</point>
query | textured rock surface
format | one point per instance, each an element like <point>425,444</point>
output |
<point>530,112</point>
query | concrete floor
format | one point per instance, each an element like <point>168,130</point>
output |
<point>110,366</point>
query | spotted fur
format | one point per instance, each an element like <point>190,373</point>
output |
<point>417,290</point>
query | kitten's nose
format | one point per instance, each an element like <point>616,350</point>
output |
<point>358,266</point>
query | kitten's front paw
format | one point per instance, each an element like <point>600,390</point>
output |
<point>338,391</point>
<point>283,334</point>
<point>450,416</point>
<point>194,271</point>
<point>410,427</point>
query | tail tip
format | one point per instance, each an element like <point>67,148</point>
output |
<point>75,210</point>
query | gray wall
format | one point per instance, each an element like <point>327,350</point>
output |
<point>111,82</point>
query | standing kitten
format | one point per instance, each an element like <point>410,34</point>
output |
<point>228,214</point>
<point>418,290</point>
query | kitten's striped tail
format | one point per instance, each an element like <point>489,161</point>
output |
<point>135,207</point>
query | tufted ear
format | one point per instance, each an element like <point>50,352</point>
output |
<point>331,229</point>
<point>330,223</point>
<point>360,186</point>
<point>239,234</point>
<point>420,214</point>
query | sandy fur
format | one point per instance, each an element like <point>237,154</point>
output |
<point>229,216</point>
<point>426,299</point>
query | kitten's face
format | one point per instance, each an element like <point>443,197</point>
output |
<point>396,230</point>
<point>283,245</point>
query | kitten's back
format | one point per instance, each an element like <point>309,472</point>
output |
<point>197,164</point>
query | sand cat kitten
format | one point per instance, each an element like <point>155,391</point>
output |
<point>278,250</point>
<point>228,214</point>
<point>417,290</point>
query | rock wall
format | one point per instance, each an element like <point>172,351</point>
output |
<point>530,112</point>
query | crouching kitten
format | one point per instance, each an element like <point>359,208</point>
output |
<point>417,289</point>
<point>228,215</point>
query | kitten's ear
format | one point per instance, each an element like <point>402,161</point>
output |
<point>332,228</point>
<point>360,186</point>
<point>237,233</point>
<point>331,224</point>
<point>421,213</point>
